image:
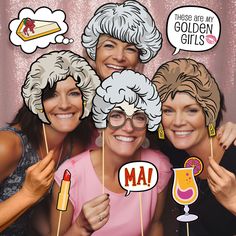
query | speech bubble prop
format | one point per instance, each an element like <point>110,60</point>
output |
<point>138,176</point>
<point>193,28</point>
<point>38,29</point>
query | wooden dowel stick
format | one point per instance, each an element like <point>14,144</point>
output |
<point>141,212</point>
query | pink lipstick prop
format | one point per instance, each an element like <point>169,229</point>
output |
<point>63,196</point>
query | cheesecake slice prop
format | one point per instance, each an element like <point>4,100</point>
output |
<point>32,29</point>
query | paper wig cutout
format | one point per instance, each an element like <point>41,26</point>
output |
<point>131,87</point>
<point>53,67</point>
<point>38,28</point>
<point>129,22</point>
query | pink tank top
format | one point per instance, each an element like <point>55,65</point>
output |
<point>124,211</point>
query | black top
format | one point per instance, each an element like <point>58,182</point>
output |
<point>214,219</point>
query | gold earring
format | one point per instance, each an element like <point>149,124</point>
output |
<point>84,103</point>
<point>161,132</point>
<point>40,110</point>
<point>211,130</point>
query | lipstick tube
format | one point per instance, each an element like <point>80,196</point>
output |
<point>63,195</point>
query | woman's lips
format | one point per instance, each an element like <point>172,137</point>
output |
<point>211,39</point>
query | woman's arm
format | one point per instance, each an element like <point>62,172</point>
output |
<point>156,227</point>
<point>37,181</point>
<point>93,216</point>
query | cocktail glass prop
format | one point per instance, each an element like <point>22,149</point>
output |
<point>185,191</point>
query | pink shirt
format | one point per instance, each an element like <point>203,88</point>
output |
<point>124,211</point>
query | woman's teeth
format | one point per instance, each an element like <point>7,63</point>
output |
<point>116,67</point>
<point>182,133</point>
<point>64,116</point>
<point>125,139</point>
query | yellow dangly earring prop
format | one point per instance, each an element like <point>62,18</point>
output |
<point>161,133</point>
<point>84,103</point>
<point>211,130</point>
<point>40,110</point>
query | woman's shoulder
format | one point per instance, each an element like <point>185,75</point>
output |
<point>10,144</point>
<point>10,152</point>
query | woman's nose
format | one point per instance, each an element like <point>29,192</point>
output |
<point>179,119</point>
<point>128,127</point>
<point>64,102</point>
<point>119,54</point>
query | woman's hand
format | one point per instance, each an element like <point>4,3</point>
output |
<point>222,184</point>
<point>226,134</point>
<point>39,177</point>
<point>94,215</point>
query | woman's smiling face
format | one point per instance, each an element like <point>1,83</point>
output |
<point>65,107</point>
<point>114,55</point>
<point>126,140</point>
<point>183,120</point>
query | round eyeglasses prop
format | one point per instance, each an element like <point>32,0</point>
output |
<point>117,119</point>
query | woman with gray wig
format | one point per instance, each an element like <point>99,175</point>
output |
<point>131,33</point>
<point>58,91</point>
<point>131,87</point>
<point>58,66</point>
<point>126,104</point>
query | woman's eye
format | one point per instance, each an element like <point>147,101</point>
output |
<point>140,117</point>
<point>116,115</point>
<point>75,93</point>
<point>167,111</point>
<point>132,49</point>
<point>193,110</point>
<point>108,45</point>
<point>54,95</point>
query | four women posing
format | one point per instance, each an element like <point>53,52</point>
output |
<point>59,89</point>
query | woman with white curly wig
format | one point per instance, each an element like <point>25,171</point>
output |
<point>121,36</point>
<point>126,105</point>
<point>58,92</point>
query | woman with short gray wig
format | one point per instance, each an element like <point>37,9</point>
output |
<point>54,67</point>
<point>126,104</point>
<point>131,87</point>
<point>119,36</point>
<point>58,93</point>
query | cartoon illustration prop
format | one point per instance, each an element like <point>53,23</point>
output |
<point>63,196</point>
<point>185,192</point>
<point>129,22</point>
<point>138,176</point>
<point>193,28</point>
<point>129,95</point>
<point>196,163</point>
<point>38,29</point>
<point>33,29</point>
<point>54,67</point>
<point>191,78</point>
<point>45,72</point>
